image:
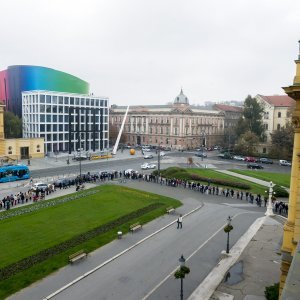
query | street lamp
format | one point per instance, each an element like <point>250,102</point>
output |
<point>269,211</point>
<point>79,150</point>
<point>227,229</point>
<point>158,161</point>
<point>180,274</point>
<point>202,143</point>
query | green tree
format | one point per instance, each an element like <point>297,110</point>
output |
<point>246,143</point>
<point>251,119</point>
<point>282,142</point>
<point>12,125</point>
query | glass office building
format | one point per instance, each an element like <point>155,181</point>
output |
<point>67,121</point>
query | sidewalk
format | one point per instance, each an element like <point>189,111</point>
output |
<point>252,265</point>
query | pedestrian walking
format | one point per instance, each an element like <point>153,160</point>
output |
<point>179,222</point>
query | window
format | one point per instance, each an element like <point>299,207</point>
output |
<point>278,126</point>
<point>288,114</point>
<point>38,148</point>
<point>279,114</point>
<point>42,127</point>
<point>161,130</point>
<point>42,98</point>
<point>48,99</point>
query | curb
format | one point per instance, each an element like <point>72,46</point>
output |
<point>205,290</point>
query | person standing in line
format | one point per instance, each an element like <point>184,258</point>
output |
<point>179,222</point>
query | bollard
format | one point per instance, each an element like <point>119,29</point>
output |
<point>119,235</point>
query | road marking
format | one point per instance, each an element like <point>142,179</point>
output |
<point>193,253</point>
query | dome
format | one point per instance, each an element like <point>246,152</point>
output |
<point>181,99</point>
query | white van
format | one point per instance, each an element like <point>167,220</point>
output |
<point>283,162</point>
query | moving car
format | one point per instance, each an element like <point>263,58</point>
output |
<point>201,154</point>
<point>148,156</point>
<point>254,166</point>
<point>162,153</point>
<point>147,166</point>
<point>283,162</point>
<point>264,160</point>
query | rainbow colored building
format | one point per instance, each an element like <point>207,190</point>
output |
<point>17,79</point>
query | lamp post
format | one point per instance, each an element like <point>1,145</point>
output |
<point>79,150</point>
<point>202,143</point>
<point>158,161</point>
<point>227,229</point>
<point>269,211</point>
<point>180,274</point>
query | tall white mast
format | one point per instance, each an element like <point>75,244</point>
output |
<point>120,133</point>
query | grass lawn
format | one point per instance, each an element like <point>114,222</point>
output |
<point>255,188</point>
<point>25,235</point>
<point>277,178</point>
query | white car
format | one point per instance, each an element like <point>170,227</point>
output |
<point>148,156</point>
<point>147,166</point>
<point>40,186</point>
<point>146,149</point>
<point>162,153</point>
<point>238,157</point>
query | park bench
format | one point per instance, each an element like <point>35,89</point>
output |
<point>135,226</point>
<point>170,209</point>
<point>76,256</point>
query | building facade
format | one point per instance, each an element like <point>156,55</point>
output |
<point>17,79</point>
<point>16,149</point>
<point>232,115</point>
<point>289,285</point>
<point>178,126</point>
<point>67,121</point>
<point>277,112</point>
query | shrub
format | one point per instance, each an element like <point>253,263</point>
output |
<point>280,191</point>
<point>272,292</point>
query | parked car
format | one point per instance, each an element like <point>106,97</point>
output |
<point>254,166</point>
<point>250,159</point>
<point>201,154</point>
<point>225,155</point>
<point>146,149</point>
<point>148,156</point>
<point>264,160</point>
<point>147,166</point>
<point>40,186</point>
<point>283,162</point>
<point>162,153</point>
<point>238,157</point>
<point>62,182</point>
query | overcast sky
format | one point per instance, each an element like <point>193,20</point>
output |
<point>143,52</point>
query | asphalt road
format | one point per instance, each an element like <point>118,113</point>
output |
<point>144,272</point>
<point>171,159</point>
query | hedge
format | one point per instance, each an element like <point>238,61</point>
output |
<point>180,173</point>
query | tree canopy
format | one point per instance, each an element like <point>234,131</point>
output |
<point>12,125</point>
<point>251,119</point>
<point>282,142</point>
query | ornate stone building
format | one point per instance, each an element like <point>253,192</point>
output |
<point>178,126</point>
<point>290,261</point>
